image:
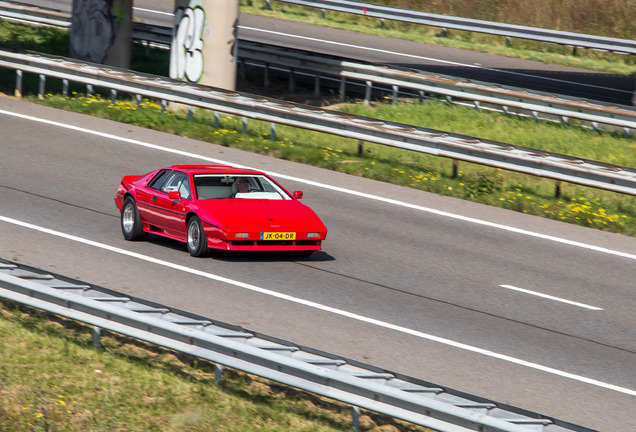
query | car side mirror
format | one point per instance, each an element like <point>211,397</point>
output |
<point>174,195</point>
<point>298,194</point>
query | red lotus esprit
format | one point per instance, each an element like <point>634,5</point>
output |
<point>218,207</point>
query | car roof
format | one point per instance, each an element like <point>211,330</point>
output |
<point>213,169</point>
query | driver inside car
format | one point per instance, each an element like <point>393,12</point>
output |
<point>241,185</point>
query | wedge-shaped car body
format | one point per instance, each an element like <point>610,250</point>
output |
<point>218,207</point>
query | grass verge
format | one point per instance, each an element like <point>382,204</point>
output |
<point>54,380</point>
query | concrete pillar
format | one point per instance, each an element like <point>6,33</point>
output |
<point>101,31</point>
<point>204,42</point>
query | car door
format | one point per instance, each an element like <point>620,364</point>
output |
<point>170,212</point>
<point>146,198</point>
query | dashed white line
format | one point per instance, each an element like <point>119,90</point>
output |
<point>562,300</point>
<point>323,308</point>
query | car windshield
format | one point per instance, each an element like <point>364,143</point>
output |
<point>238,186</point>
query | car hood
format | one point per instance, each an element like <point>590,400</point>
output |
<point>260,214</point>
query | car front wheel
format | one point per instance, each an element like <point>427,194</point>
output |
<point>197,241</point>
<point>131,225</point>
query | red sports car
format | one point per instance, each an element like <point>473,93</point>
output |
<point>218,207</point>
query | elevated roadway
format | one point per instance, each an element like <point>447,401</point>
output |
<point>537,76</point>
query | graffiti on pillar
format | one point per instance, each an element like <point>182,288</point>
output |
<point>186,54</point>
<point>92,32</point>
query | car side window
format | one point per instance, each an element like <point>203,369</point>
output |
<point>157,181</point>
<point>177,181</point>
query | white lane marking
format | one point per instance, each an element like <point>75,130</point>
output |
<point>333,188</point>
<point>153,11</point>
<point>357,47</point>
<point>321,307</point>
<point>559,299</point>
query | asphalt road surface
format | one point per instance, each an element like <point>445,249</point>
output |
<point>416,283</point>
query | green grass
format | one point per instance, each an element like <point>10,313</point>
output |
<point>54,380</point>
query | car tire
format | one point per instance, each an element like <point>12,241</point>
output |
<point>131,226</point>
<point>196,239</point>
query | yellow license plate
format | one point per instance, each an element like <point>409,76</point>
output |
<point>278,236</point>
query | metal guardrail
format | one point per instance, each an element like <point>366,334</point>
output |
<point>509,98</point>
<point>434,142</point>
<point>579,40</point>
<point>325,374</point>
<point>451,87</point>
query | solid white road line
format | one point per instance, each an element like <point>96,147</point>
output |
<point>322,307</point>
<point>330,187</point>
<point>366,48</point>
<point>153,11</point>
<point>538,294</point>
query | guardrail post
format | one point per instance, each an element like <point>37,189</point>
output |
<point>266,76</point>
<point>113,96</point>
<point>535,116</point>
<point>217,119</point>
<point>218,373</point>
<point>355,417</point>
<point>244,122</point>
<point>164,105</point>
<point>97,333</point>
<point>323,12</point>
<point>190,112</point>
<point>139,99</point>
<point>18,84</point>
<point>267,5</point>
<point>343,88</point>
<point>455,168</point>
<point>360,147</point>
<point>507,41</point>
<point>565,119</point>
<point>89,89</point>
<point>367,93</point>
<point>65,88</point>
<point>41,86</point>
<point>557,189</point>
<point>395,94</point>
<point>272,131</point>
<point>626,133</point>
<point>292,79</point>
<point>476,105</point>
<point>317,86</point>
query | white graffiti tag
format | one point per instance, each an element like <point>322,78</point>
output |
<point>186,56</point>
